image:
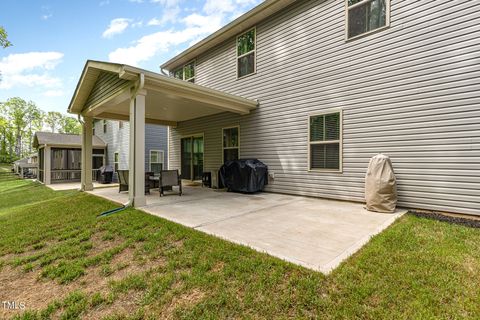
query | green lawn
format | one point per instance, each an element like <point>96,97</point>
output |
<point>5,168</point>
<point>63,262</point>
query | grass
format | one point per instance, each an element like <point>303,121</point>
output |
<point>64,262</point>
<point>5,168</point>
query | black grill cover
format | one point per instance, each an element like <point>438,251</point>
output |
<point>246,175</point>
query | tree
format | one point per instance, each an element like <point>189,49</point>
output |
<point>15,110</point>
<point>34,118</point>
<point>4,38</point>
<point>70,125</point>
<point>53,120</point>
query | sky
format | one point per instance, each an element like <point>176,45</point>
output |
<point>52,40</point>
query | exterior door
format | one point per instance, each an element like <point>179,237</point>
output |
<point>192,158</point>
<point>197,163</point>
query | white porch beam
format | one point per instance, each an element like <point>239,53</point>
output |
<point>121,117</point>
<point>87,137</point>
<point>136,189</point>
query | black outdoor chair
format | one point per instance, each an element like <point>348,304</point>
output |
<point>149,184</point>
<point>123,181</point>
<point>168,179</point>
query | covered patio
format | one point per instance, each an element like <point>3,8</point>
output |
<point>121,92</point>
<point>316,233</point>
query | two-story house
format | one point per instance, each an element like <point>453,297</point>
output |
<point>314,89</point>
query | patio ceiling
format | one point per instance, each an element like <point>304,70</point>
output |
<point>105,91</point>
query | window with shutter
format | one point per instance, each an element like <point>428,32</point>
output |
<point>325,141</point>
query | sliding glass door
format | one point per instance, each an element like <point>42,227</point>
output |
<point>192,157</point>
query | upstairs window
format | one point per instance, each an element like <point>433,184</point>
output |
<point>186,73</point>
<point>325,141</point>
<point>246,51</point>
<point>365,16</point>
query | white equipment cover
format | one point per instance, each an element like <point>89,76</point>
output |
<point>381,185</point>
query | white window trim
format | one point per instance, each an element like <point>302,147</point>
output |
<point>230,148</point>
<point>162,159</point>
<point>183,71</point>
<point>116,162</point>
<point>246,54</point>
<point>340,141</point>
<point>387,18</point>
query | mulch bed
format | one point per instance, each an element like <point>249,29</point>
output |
<point>472,223</point>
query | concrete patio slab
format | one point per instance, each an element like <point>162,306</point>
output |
<point>316,233</point>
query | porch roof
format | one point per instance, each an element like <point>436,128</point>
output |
<point>105,89</point>
<point>63,140</point>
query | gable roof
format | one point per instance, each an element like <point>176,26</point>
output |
<point>234,28</point>
<point>64,140</point>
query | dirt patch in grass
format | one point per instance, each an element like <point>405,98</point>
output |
<point>100,244</point>
<point>28,288</point>
<point>38,292</point>
<point>125,304</point>
<point>184,301</point>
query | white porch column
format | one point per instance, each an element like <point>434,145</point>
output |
<point>136,189</point>
<point>47,165</point>
<point>87,137</point>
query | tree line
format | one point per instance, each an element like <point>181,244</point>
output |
<point>19,120</point>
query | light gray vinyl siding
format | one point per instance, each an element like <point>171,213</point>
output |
<point>107,85</point>
<point>411,91</point>
<point>156,138</point>
<point>117,140</point>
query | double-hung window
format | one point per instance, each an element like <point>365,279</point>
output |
<point>115,161</point>
<point>325,141</point>
<point>231,144</point>
<point>156,161</point>
<point>186,73</point>
<point>246,51</point>
<point>364,16</point>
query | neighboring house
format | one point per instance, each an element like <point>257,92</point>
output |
<point>116,136</point>
<point>314,89</point>
<point>27,167</point>
<point>60,156</point>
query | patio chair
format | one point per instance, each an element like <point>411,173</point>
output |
<point>123,177</point>
<point>168,179</point>
<point>149,184</point>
